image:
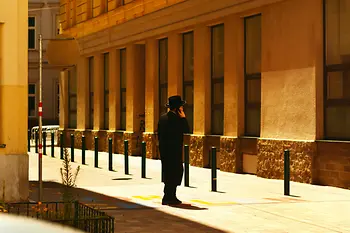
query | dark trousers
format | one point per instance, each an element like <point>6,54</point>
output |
<point>169,191</point>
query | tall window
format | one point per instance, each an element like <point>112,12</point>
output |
<point>106,89</point>
<point>163,75</point>
<point>106,5</point>
<point>72,98</point>
<point>123,89</point>
<point>31,100</point>
<point>188,56</point>
<point>217,79</point>
<point>31,32</point>
<point>91,92</point>
<point>252,75</point>
<point>337,70</point>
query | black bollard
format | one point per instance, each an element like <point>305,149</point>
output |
<point>143,160</point>
<point>83,148</point>
<point>29,137</point>
<point>61,142</point>
<point>187,166</point>
<point>213,170</point>
<point>96,151</point>
<point>72,147</point>
<point>110,155</point>
<point>126,157</point>
<point>286,172</point>
<point>52,144</point>
<point>36,141</point>
<point>44,143</point>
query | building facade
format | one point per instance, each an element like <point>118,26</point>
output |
<point>14,163</point>
<point>43,18</point>
<point>259,76</point>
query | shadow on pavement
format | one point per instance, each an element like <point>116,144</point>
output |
<point>188,207</point>
<point>129,216</point>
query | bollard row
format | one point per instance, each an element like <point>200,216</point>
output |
<point>213,156</point>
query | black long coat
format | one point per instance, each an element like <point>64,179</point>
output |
<point>170,135</point>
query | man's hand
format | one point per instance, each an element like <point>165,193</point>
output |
<point>181,113</point>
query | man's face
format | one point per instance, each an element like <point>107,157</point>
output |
<point>181,108</point>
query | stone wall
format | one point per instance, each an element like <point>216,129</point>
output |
<point>228,154</point>
<point>332,164</point>
<point>271,159</point>
<point>198,157</point>
<point>151,145</point>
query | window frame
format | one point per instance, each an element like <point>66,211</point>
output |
<point>57,99</point>
<point>341,67</point>
<point>163,86</point>
<point>33,28</point>
<point>35,101</point>
<point>214,82</point>
<point>249,77</point>
<point>187,83</point>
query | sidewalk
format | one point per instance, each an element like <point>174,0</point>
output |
<point>243,203</point>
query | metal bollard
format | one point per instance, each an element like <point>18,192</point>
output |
<point>110,155</point>
<point>44,143</point>
<point>286,172</point>
<point>213,170</point>
<point>52,144</point>
<point>29,136</point>
<point>36,141</point>
<point>83,148</point>
<point>143,160</point>
<point>187,166</point>
<point>72,147</point>
<point>126,157</point>
<point>61,142</point>
<point>96,151</point>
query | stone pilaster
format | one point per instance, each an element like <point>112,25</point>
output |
<point>63,99</point>
<point>228,154</point>
<point>151,145</point>
<point>98,92</point>
<point>198,154</point>
<point>82,93</point>
<point>114,89</point>
<point>271,159</point>
<point>175,64</point>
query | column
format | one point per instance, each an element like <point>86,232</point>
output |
<point>98,92</point>
<point>175,64</point>
<point>82,99</point>
<point>199,154</point>
<point>64,99</point>
<point>14,185</point>
<point>135,94</point>
<point>82,93</point>
<point>151,97</point>
<point>233,93</point>
<point>114,89</point>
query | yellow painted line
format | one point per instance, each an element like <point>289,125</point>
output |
<point>214,203</point>
<point>147,198</point>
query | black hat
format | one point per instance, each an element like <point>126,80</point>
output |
<point>175,102</point>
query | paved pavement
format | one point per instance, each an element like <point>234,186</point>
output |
<point>243,203</point>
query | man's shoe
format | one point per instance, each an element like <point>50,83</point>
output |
<point>165,202</point>
<point>175,202</point>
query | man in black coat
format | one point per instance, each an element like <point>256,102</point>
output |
<point>171,127</point>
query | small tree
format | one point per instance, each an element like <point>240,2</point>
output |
<point>69,182</point>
